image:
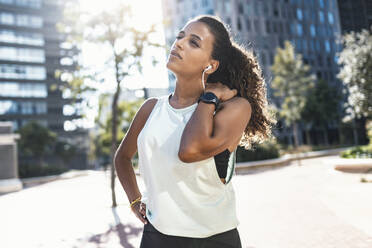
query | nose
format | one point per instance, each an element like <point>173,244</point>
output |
<point>179,43</point>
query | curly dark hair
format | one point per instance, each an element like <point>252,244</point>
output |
<point>239,69</point>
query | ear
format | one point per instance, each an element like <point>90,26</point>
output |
<point>214,63</point>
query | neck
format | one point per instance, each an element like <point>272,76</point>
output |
<point>187,92</point>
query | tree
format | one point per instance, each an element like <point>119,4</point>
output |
<point>126,113</point>
<point>355,62</point>
<point>111,29</point>
<point>291,83</point>
<point>32,132</point>
<point>321,107</point>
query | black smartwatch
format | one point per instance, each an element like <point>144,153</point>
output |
<point>209,97</point>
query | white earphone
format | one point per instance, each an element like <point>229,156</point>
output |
<point>206,69</point>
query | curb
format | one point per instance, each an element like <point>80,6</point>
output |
<point>33,181</point>
<point>242,167</point>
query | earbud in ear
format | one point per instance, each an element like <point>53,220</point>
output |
<point>208,68</point>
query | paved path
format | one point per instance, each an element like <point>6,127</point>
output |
<point>295,206</point>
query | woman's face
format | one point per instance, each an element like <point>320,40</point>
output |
<point>194,45</point>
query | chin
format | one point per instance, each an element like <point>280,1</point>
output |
<point>170,66</point>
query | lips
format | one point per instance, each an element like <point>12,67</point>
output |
<point>173,52</point>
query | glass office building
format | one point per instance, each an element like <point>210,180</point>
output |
<point>31,50</point>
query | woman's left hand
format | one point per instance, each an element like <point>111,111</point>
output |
<point>221,91</point>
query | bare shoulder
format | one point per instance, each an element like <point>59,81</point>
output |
<point>144,111</point>
<point>237,104</point>
<point>148,104</point>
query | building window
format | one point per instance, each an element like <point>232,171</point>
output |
<point>22,72</point>
<point>248,24</point>
<point>293,31</point>
<point>22,54</point>
<point>304,45</point>
<point>8,107</point>
<point>317,45</point>
<point>312,30</point>
<point>320,60</point>
<point>239,24</point>
<point>240,8</point>
<point>299,14</point>
<point>10,36</point>
<point>265,8</point>
<point>6,18</point>
<point>15,89</point>
<point>257,26</point>
<point>321,3</point>
<point>6,1</point>
<point>40,108</point>
<point>327,46</point>
<point>268,26</point>
<point>36,4</point>
<point>330,18</point>
<point>227,6</point>
<point>312,46</point>
<point>299,29</point>
<point>321,16</point>
<point>21,20</point>
<point>276,10</point>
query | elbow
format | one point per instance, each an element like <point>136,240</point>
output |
<point>186,156</point>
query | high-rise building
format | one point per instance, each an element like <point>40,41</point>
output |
<point>31,50</point>
<point>312,26</point>
<point>355,15</point>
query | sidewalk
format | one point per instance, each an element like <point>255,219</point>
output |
<point>294,206</point>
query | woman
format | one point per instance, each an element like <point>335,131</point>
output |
<point>185,140</point>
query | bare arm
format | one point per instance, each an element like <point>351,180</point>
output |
<point>206,135</point>
<point>127,149</point>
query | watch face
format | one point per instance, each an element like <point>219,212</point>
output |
<point>209,96</point>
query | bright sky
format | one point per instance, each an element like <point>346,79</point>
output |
<point>145,13</point>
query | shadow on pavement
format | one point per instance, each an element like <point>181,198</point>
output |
<point>124,232</point>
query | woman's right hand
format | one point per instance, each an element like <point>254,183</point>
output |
<point>139,209</point>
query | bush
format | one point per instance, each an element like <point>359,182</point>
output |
<point>266,150</point>
<point>358,152</point>
<point>28,170</point>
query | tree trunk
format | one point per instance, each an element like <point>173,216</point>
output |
<point>308,138</point>
<point>114,131</point>
<point>325,136</point>
<point>113,144</point>
<point>355,133</point>
<point>295,134</point>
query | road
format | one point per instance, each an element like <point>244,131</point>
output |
<point>294,206</point>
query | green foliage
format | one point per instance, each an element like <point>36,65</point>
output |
<point>36,140</point>
<point>358,152</point>
<point>126,113</point>
<point>321,105</point>
<point>291,83</point>
<point>265,150</point>
<point>38,170</point>
<point>355,61</point>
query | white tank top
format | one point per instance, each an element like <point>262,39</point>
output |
<point>182,199</point>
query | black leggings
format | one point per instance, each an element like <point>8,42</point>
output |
<point>152,238</point>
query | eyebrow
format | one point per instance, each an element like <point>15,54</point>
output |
<point>193,35</point>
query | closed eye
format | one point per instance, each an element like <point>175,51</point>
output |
<point>193,42</point>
